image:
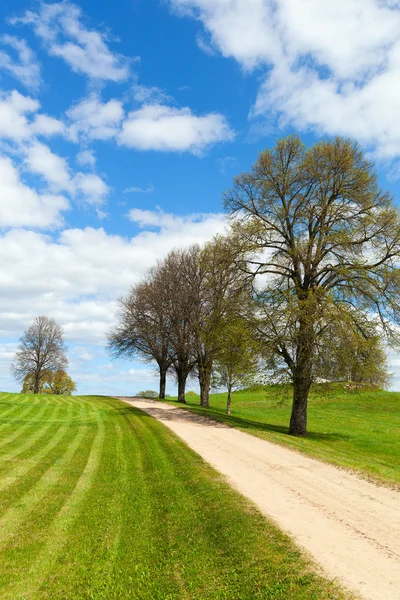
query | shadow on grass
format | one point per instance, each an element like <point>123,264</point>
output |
<point>210,417</point>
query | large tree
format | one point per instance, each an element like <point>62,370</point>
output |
<point>41,349</point>
<point>142,327</point>
<point>320,240</point>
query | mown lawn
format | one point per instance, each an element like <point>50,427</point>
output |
<point>100,501</point>
<point>357,430</point>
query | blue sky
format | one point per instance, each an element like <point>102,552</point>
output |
<point>122,122</point>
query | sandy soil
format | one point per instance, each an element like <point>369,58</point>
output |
<point>350,526</point>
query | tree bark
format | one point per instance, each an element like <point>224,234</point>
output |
<point>36,386</point>
<point>163,382</point>
<point>302,379</point>
<point>205,384</point>
<point>181,387</point>
<point>228,403</point>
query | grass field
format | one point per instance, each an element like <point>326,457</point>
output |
<point>100,501</point>
<point>358,430</point>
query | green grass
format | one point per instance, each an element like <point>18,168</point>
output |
<point>360,431</point>
<point>100,501</point>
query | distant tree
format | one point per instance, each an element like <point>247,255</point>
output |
<point>236,363</point>
<point>41,349</point>
<point>320,239</point>
<point>150,394</point>
<point>61,383</point>
<point>178,275</point>
<point>142,327</point>
<point>58,383</point>
<point>221,290</point>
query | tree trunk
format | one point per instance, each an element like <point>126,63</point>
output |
<point>163,381</point>
<point>228,403</point>
<point>205,384</point>
<point>302,378</point>
<point>181,387</point>
<point>36,386</point>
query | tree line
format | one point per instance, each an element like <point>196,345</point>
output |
<point>304,286</point>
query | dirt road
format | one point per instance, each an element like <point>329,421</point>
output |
<point>350,527</point>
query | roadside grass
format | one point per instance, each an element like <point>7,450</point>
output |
<point>356,430</point>
<point>100,501</point>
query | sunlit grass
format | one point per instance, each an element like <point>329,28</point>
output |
<point>100,501</point>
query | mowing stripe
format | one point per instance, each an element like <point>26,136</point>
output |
<point>25,466</point>
<point>31,442</point>
<point>8,440</point>
<point>19,513</point>
<point>57,536</point>
<point>6,417</point>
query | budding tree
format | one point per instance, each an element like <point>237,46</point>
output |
<point>41,349</point>
<point>321,240</point>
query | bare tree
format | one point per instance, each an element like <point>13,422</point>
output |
<point>178,276</point>
<point>326,241</point>
<point>41,349</point>
<point>142,327</point>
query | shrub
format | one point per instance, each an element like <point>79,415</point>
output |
<point>149,394</point>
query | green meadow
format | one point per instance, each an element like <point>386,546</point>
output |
<point>100,501</point>
<point>359,430</point>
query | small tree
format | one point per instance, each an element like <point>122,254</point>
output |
<point>237,361</point>
<point>41,349</point>
<point>222,289</point>
<point>57,383</point>
<point>61,383</point>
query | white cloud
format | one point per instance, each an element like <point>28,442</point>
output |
<point>53,168</point>
<point>22,206</point>
<point>150,94</point>
<point>46,126</point>
<point>86,51</point>
<point>20,120</point>
<point>86,158</point>
<point>95,119</point>
<point>68,278</point>
<point>168,129</point>
<point>330,67</point>
<point>139,190</point>
<point>93,189</point>
<point>25,68</point>
<point>14,119</point>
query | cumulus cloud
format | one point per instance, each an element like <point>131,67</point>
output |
<point>68,277</point>
<point>22,206</point>
<point>168,129</point>
<point>21,121</point>
<point>95,119</point>
<point>330,67</point>
<point>24,67</point>
<point>63,33</point>
<point>86,158</point>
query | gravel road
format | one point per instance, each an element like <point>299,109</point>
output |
<point>349,526</point>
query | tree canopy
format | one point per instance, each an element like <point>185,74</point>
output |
<point>321,242</point>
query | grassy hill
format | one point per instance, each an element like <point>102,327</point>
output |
<point>359,430</point>
<point>100,501</point>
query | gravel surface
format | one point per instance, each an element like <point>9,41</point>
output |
<point>351,527</point>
